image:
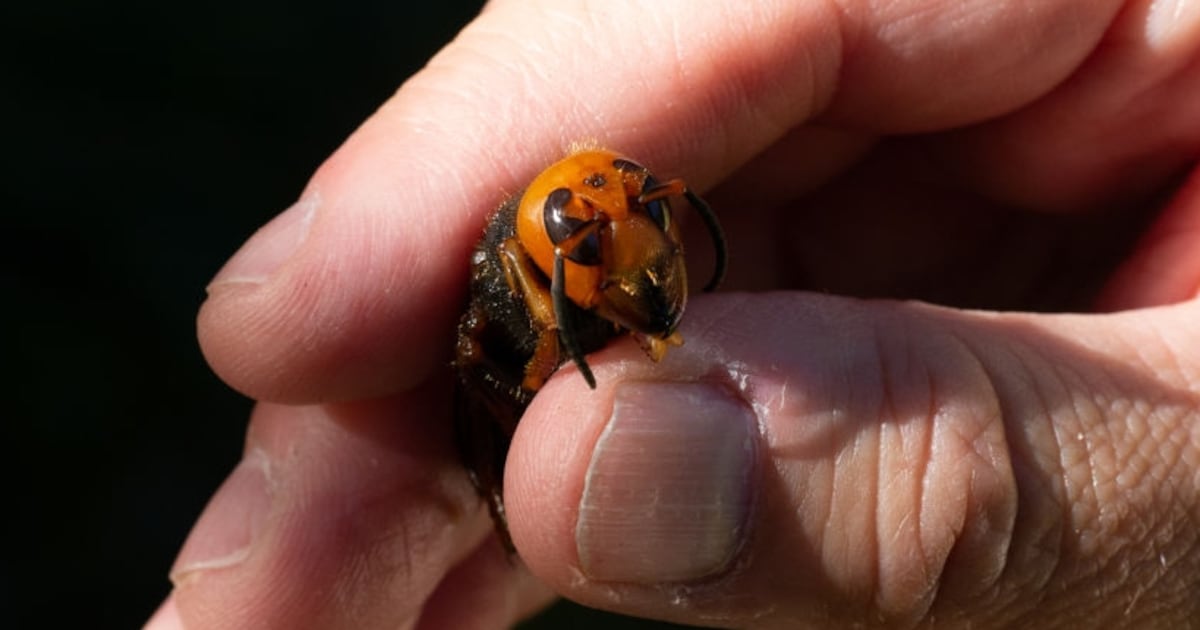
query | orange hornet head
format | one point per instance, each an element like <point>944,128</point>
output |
<point>600,227</point>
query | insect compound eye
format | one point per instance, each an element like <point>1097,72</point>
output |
<point>562,228</point>
<point>658,209</point>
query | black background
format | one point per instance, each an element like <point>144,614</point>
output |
<point>143,143</point>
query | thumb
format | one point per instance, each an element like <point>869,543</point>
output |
<point>810,459</point>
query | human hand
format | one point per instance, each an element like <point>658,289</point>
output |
<point>809,459</point>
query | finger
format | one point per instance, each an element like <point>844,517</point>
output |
<point>346,516</point>
<point>485,591</point>
<point>1120,127</point>
<point>352,292</point>
<point>816,461</point>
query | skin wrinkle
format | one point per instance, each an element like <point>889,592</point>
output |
<point>1115,449</point>
<point>887,420</point>
<point>825,80</point>
<point>915,18</point>
<point>850,31</point>
<point>1150,575</point>
<point>929,418</point>
<point>1178,519</point>
<point>1017,446</point>
<point>1175,464</point>
<point>874,439</point>
<point>934,568</point>
<point>1068,427</point>
<point>841,49</point>
<point>939,573</point>
<point>1122,556</point>
<point>964,525</point>
<point>751,97</point>
<point>887,415</point>
<point>824,542</point>
<point>1073,536</point>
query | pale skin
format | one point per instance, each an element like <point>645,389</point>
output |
<point>916,464</point>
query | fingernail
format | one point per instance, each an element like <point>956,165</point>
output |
<point>225,532</point>
<point>269,247</point>
<point>670,484</point>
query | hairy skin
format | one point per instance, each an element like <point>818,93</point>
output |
<point>908,465</point>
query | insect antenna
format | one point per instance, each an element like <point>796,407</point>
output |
<point>718,237</point>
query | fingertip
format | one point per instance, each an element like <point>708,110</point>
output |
<point>669,486</point>
<point>640,488</point>
<point>358,308</point>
